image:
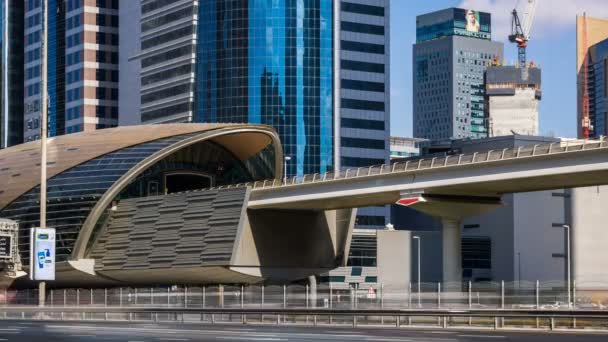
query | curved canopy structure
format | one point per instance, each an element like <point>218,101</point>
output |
<point>20,165</point>
<point>90,173</point>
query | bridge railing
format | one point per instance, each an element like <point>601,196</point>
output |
<point>469,295</point>
<point>438,162</point>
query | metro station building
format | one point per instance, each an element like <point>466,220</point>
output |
<point>128,209</point>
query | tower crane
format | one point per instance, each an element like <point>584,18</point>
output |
<point>520,31</point>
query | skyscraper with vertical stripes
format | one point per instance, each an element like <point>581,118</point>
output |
<point>82,56</point>
<point>364,91</point>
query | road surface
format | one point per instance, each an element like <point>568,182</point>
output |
<point>30,331</point>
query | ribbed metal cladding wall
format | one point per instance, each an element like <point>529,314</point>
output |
<point>190,229</point>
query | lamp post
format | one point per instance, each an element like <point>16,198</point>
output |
<point>43,136</point>
<point>568,266</point>
<point>285,160</point>
<point>518,269</point>
<point>417,238</point>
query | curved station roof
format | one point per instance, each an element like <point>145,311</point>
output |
<point>20,165</point>
<point>88,173</point>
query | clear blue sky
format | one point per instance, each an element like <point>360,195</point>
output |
<point>552,46</point>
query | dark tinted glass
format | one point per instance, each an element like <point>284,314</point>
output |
<point>362,85</point>
<point>361,9</point>
<point>362,124</point>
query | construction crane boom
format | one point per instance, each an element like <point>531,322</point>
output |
<point>529,17</point>
<point>520,30</point>
<point>585,122</point>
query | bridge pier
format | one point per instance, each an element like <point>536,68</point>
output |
<point>452,250</point>
<point>312,285</point>
<point>451,210</point>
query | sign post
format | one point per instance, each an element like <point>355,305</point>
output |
<point>42,256</point>
<point>42,260</point>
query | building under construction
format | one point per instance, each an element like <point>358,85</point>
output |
<point>512,100</point>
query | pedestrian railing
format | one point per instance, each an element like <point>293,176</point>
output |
<point>538,295</point>
<point>538,150</point>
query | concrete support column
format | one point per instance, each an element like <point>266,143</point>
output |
<point>312,286</point>
<point>452,252</point>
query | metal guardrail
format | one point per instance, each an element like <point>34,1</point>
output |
<point>537,150</point>
<point>550,295</point>
<point>496,319</point>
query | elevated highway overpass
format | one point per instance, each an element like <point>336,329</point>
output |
<point>490,174</point>
<point>449,188</point>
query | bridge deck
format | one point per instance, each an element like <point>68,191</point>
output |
<point>538,150</point>
<point>530,168</point>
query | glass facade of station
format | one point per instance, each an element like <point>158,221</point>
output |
<point>270,62</point>
<point>73,193</point>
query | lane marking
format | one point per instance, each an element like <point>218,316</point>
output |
<point>440,332</point>
<point>483,336</point>
<point>84,335</point>
<point>251,338</point>
<point>174,339</point>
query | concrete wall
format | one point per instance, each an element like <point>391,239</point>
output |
<point>498,226</point>
<point>539,236</point>
<point>429,231</point>
<point>394,258</point>
<point>590,236</point>
<point>286,245</point>
<point>517,113</point>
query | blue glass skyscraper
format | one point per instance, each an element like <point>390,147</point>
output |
<point>598,88</point>
<point>315,70</point>
<point>270,62</point>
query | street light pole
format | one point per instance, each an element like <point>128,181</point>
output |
<point>568,266</point>
<point>43,135</point>
<point>285,160</point>
<point>518,269</point>
<point>417,238</point>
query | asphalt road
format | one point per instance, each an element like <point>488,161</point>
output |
<point>128,332</point>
